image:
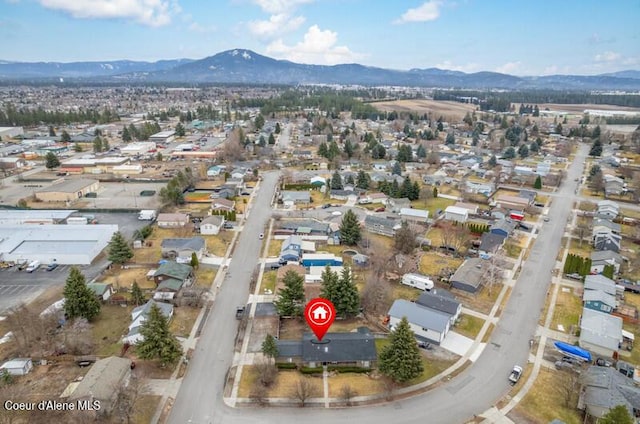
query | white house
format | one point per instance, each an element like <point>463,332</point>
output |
<point>172,220</point>
<point>211,225</point>
<point>455,213</point>
<point>140,314</point>
<point>416,215</point>
<point>426,323</point>
<point>18,366</point>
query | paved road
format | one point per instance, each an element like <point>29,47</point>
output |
<point>472,392</point>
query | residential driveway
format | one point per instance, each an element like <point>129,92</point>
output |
<point>456,343</point>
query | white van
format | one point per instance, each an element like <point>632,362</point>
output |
<point>418,281</point>
<point>33,266</point>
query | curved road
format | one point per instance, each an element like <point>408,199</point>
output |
<point>471,392</point>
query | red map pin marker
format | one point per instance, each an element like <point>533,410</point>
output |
<point>320,314</point>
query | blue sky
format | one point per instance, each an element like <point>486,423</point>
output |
<point>537,37</point>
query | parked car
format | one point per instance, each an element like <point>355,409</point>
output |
<point>515,375</point>
<point>336,213</point>
<point>380,209</point>
<point>239,312</point>
<point>326,205</point>
<point>52,266</point>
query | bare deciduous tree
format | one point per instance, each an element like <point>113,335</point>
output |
<point>347,393</point>
<point>267,373</point>
<point>77,338</point>
<point>127,399</point>
<point>259,394</point>
<point>304,390</point>
<point>568,387</point>
<point>493,272</point>
<point>31,332</point>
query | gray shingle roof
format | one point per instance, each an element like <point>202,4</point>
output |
<point>419,315</point>
<point>339,347</point>
<point>437,302</point>
<point>103,380</point>
<point>192,243</point>
<point>605,387</point>
<point>600,329</point>
<point>600,282</point>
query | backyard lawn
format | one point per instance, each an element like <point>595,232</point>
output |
<point>432,263</point>
<point>109,328</point>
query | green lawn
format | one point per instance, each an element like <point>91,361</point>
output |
<point>268,281</point>
<point>433,205</point>
<point>567,311</point>
<point>469,326</point>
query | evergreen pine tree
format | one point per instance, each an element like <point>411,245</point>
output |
<point>421,152</point>
<point>158,342</point>
<point>137,296</point>
<point>363,179</point>
<point>329,284</point>
<point>65,137</point>
<point>51,161</point>
<point>278,129</point>
<point>401,359</point>
<point>336,181</point>
<point>347,299</point>
<point>272,139</point>
<point>397,169</point>
<point>79,300</point>
<point>180,131</point>
<point>538,183</point>
<point>270,347</point>
<point>350,229</point>
<point>119,250</point>
<point>291,297</point>
<point>194,260</point>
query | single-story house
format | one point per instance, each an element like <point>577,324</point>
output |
<point>221,204</point>
<point>381,225</point>
<point>603,225</point>
<point>182,249</point>
<point>599,301</point>
<point>607,209</point>
<point>490,243</point>
<point>211,225</point>
<point>292,198</point>
<point>215,170</point>
<point>18,366</point>
<point>457,214</point>
<point>291,249</point>
<point>396,205</point>
<point>443,301</point>
<point>485,188</point>
<point>600,282</point>
<point>600,333</point>
<point>471,207</point>
<point>607,241</point>
<point>348,349</point>
<point>224,193</point>
<point>415,215</point>
<point>174,271</point>
<point>172,220</point>
<point>468,277</point>
<point>341,194</point>
<point>377,198</point>
<point>513,202</point>
<point>103,381</point>
<point>503,227</point>
<point>103,291</point>
<point>426,323</point>
<point>604,388</point>
<point>312,227</point>
<point>602,258</point>
<point>140,314</point>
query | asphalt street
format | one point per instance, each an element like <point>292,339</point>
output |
<point>472,392</point>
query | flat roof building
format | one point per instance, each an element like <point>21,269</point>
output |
<point>64,244</point>
<point>67,190</point>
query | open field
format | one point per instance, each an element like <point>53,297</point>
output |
<point>579,108</point>
<point>449,110</point>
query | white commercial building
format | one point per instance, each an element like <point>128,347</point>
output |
<point>138,148</point>
<point>10,132</point>
<point>64,244</point>
<point>34,216</point>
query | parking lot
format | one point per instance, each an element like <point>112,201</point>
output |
<point>125,195</point>
<point>18,287</point>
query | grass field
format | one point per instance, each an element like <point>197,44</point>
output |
<point>567,311</point>
<point>584,250</point>
<point>283,386</point>
<point>107,332</point>
<point>452,111</point>
<point>433,205</point>
<point>360,384</point>
<point>268,284</point>
<point>542,404</point>
<point>469,326</point>
<point>274,247</point>
<point>183,320</point>
<point>433,263</point>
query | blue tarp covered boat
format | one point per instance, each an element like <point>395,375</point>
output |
<point>573,351</point>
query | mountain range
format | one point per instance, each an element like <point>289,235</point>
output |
<point>241,66</point>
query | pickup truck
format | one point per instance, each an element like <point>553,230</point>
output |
<point>515,375</point>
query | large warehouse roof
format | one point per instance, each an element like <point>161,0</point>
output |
<point>66,244</point>
<point>68,186</point>
<point>33,216</point>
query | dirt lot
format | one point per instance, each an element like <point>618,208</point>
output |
<point>451,111</point>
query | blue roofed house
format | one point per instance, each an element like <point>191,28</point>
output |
<point>503,227</point>
<point>140,314</point>
<point>291,250</point>
<point>599,301</point>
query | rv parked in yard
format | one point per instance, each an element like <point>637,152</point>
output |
<point>418,281</point>
<point>147,215</point>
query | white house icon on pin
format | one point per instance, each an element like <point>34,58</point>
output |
<point>320,313</point>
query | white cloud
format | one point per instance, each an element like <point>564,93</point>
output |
<point>277,24</point>
<point>317,47</point>
<point>196,27</point>
<point>607,57</point>
<point>449,66</point>
<point>509,67</point>
<point>148,12</point>
<point>280,6</point>
<point>428,11</point>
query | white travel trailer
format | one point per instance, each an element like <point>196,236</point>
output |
<point>417,281</point>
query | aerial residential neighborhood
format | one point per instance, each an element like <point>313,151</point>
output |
<point>164,227</point>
